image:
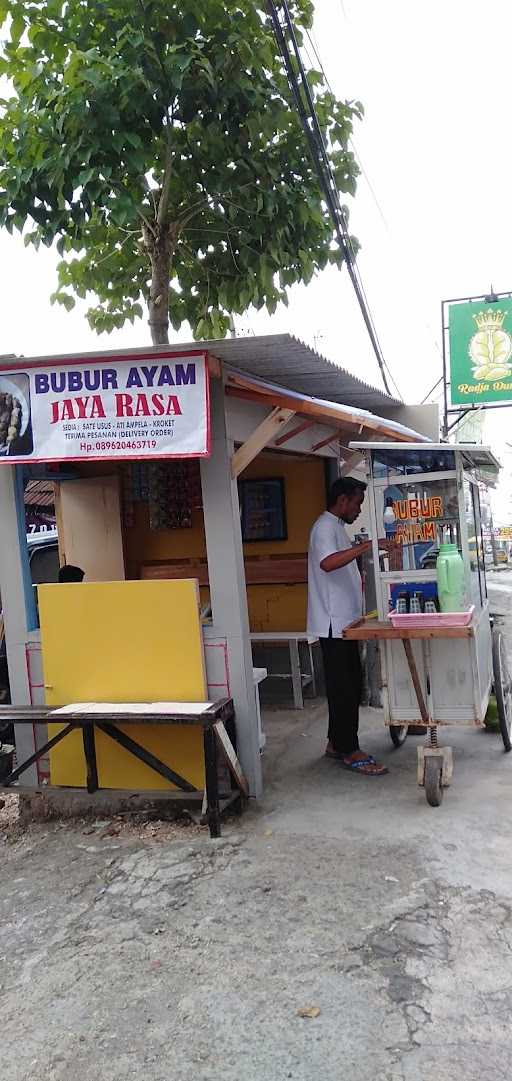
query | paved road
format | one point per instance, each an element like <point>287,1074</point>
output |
<point>126,958</point>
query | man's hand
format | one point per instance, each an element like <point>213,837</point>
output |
<point>387,544</point>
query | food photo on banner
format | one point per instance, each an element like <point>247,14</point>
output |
<point>15,419</point>
<point>109,407</point>
<point>480,335</point>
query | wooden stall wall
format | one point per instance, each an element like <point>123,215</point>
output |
<point>276,571</point>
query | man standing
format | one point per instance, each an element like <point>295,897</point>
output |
<point>335,599</point>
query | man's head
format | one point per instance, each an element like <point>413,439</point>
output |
<point>346,498</point>
<point>68,573</point>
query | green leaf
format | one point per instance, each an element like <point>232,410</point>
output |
<point>17,28</point>
<point>63,298</point>
<point>98,111</point>
<point>86,175</point>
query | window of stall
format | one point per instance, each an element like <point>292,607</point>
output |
<point>406,463</point>
<point>477,584</point>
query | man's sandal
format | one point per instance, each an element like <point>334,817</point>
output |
<point>367,767</point>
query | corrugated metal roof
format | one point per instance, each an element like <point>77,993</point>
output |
<point>278,358</point>
<point>39,493</point>
<point>284,359</point>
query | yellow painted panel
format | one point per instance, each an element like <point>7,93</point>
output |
<point>180,747</point>
<point>277,607</point>
<point>122,642</point>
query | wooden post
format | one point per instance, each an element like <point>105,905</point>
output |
<point>227,583</point>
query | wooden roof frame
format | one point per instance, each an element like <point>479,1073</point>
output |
<point>252,390</point>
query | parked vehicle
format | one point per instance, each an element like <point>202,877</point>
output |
<point>43,555</point>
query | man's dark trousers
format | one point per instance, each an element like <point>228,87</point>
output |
<point>343,683</point>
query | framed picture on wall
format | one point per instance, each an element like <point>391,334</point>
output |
<point>263,509</point>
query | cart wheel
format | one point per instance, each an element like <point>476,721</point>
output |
<point>434,781</point>
<point>398,733</point>
<point>502,687</point>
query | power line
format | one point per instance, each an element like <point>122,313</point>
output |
<point>306,108</point>
<point>343,12</point>
<point>431,391</point>
<point>358,159</point>
<point>371,188</point>
<point>351,140</point>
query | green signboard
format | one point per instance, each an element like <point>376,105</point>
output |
<point>481,352</point>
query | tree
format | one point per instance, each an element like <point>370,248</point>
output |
<point>155,142</point>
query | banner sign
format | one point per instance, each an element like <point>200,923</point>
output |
<point>138,406</point>
<point>481,352</point>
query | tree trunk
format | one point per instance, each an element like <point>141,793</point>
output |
<point>159,242</point>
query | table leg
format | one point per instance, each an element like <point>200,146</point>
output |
<point>212,781</point>
<point>312,667</point>
<point>90,757</point>
<point>298,699</point>
<point>415,679</point>
<point>37,754</point>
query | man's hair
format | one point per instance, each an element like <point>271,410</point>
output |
<point>68,573</point>
<point>346,486</point>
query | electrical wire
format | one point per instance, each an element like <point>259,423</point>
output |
<point>431,391</point>
<point>364,172</point>
<point>318,150</point>
<point>351,139</point>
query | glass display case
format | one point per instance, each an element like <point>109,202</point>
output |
<point>421,504</point>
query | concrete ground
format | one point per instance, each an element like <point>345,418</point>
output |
<point>154,953</point>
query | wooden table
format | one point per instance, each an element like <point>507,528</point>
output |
<point>366,629</point>
<point>383,630</point>
<point>217,720</point>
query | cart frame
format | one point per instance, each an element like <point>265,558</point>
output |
<point>441,675</point>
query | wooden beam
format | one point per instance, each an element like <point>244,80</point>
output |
<point>259,439</point>
<point>229,754</point>
<point>214,366</point>
<point>416,680</point>
<point>294,431</point>
<point>239,386</point>
<point>333,437</point>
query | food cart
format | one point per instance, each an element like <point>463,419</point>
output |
<point>438,668</point>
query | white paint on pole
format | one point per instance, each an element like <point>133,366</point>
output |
<point>227,583</point>
<point>15,620</point>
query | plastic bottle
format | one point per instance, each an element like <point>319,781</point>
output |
<point>450,579</point>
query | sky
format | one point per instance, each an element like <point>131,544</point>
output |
<point>432,211</point>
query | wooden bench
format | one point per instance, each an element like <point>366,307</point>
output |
<point>299,679</point>
<point>214,718</point>
<point>259,570</point>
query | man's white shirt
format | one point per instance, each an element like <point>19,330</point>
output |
<point>335,598</point>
